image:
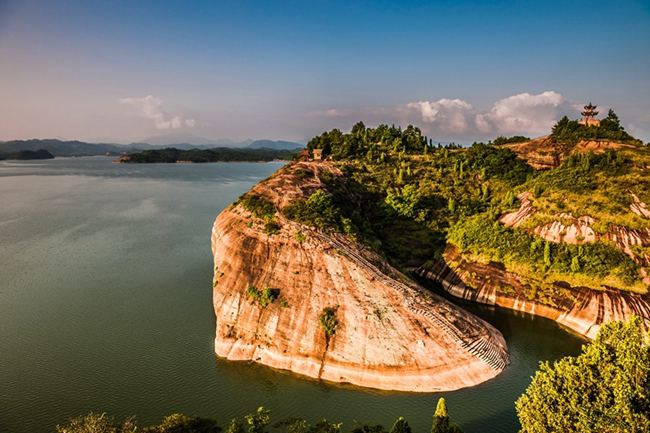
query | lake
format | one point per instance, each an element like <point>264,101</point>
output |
<point>106,305</point>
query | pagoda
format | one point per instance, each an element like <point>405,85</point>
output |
<point>589,116</point>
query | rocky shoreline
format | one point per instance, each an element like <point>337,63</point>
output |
<point>583,310</point>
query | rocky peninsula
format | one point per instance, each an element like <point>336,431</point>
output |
<point>313,266</point>
<point>389,333</point>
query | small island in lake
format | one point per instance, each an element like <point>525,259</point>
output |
<point>219,154</point>
<point>27,155</point>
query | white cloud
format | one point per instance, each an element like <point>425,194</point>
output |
<point>151,108</point>
<point>449,115</point>
<point>523,114</point>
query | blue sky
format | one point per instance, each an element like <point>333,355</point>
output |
<point>461,70</point>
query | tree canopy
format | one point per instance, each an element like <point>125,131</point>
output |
<point>604,389</point>
<point>610,128</point>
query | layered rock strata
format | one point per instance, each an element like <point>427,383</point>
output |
<point>391,334</point>
<point>580,309</point>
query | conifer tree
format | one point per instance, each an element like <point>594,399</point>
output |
<point>441,422</point>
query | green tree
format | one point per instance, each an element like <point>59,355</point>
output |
<point>547,254</point>
<point>509,199</point>
<point>441,421</point>
<point>400,426</point>
<point>256,422</point>
<point>235,426</point>
<point>179,423</point>
<point>604,389</point>
<point>485,191</point>
<point>299,425</point>
<point>368,428</point>
<point>97,423</point>
<point>575,264</point>
<point>451,205</point>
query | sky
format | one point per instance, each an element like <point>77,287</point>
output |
<point>124,71</point>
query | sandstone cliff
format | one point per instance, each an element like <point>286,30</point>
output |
<point>391,333</point>
<point>580,309</point>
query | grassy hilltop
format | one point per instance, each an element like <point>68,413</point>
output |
<point>410,199</point>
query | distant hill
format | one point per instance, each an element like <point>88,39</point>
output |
<point>80,148</point>
<point>67,148</point>
<point>277,144</point>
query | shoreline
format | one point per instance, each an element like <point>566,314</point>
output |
<point>478,283</point>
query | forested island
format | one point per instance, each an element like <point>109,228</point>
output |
<point>219,154</point>
<point>27,155</point>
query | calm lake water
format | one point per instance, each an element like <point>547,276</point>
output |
<point>105,305</point>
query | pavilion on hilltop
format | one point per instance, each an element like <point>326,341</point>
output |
<point>589,116</point>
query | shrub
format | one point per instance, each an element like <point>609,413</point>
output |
<point>317,211</point>
<point>300,237</point>
<point>271,227</point>
<point>328,320</point>
<point>257,205</point>
<point>263,297</point>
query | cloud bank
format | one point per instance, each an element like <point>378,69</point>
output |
<point>450,115</point>
<point>520,114</point>
<point>151,108</point>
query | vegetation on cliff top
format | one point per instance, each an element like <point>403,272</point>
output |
<point>406,198</point>
<point>571,131</point>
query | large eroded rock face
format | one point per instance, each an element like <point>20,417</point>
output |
<point>391,335</point>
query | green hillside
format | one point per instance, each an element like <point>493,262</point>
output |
<point>409,199</point>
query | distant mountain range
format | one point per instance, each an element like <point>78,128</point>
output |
<point>81,148</point>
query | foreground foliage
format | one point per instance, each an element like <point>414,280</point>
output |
<point>605,389</point>
<point>256,422</point>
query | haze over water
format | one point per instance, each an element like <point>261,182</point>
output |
<point>106,305</point>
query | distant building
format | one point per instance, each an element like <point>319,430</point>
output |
<point>589,116</point>
<point>318,154</point>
